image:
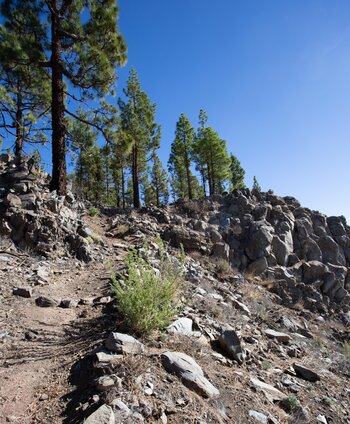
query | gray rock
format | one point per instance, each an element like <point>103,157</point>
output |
<point>259,240</point>
<point>336,226</point>
<point>231,344</point>
<point>241,306</point>
<point>46,302</point>
<point>69,303</point>
<point>258,416</point>
<point>280,250</point>
<point>270,392</point>
<point>190,373</point>
<point>221,250</point>
<point>331,251</point>
<point>13,201</point>
<point>23,291</point>
<point>258,267</point>
<point>103,415</point>
<point>306,373</point>
<point>313,271</point>
<point>311,251</point>
<point>123,343</point>
<point>181,326</point>
<point>281,337</point>
<point>189,239</point>
<point>104,383</point>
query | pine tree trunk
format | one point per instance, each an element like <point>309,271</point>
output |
<point>157,196</point>
<point>210,180</point>
<point>188,177</point>
<point>123,188</point>
<point>58,181</point>
<point>204,182</point>
<point>135,179</point>
<point>19,123</point>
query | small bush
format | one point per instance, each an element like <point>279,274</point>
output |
<point>290,403</point>
<point>222,266</point>
<point>147,297</point>
<point>93,211</point>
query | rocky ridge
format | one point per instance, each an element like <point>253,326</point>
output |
<point>260,338</point>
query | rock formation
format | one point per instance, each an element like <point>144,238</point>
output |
<point>35,218</point>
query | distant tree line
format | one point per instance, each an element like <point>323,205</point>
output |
<point>58,61</point>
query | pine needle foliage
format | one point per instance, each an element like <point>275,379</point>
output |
<point>147,298</point>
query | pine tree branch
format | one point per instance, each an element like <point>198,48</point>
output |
<point>72,36</point>
<point>91,124</point>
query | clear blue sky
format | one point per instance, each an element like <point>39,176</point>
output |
<point>273,76</point>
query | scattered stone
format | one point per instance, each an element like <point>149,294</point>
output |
<point>190,373</point>
<point>123,343</point>
<point>230,343</point>
<point>105,383</point>
<point>23,291</point>
<point>258,416</point>
<point>270,392</point>
<point>103,415</point>
<point>281,337</point>
<point>240,306</point>
<point>46,302</point>
<point>181,326</point>
<point>43,396</point>
<point>306,373</point>
<point>69,303</point>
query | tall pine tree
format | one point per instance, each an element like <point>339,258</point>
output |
<point>179,164</point>
<point>211,157</point>
<point>24,89</point>
<point>83,47</point>
<point>137,115</point>
<point>237,173</point>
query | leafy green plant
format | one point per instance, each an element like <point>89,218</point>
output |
<point>93,211</point>
<point>290,403</point>
<point>148,298</point>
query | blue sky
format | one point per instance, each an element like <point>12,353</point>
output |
<point>273,76</point>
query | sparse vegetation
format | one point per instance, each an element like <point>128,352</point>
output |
<point>93,211</point>
<point>222,267</point>
<point>148,297</point>
<point>290,403</point>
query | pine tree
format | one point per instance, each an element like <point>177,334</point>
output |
<point>89,172</point>
<point>211,157</point>
<point>119,163</point>
<point>24,89</point>
<point>179,163</point>
<point>83,47</point>
<point>256,185</point>
<point>143,134</point>
<point>159,184</point>
<point>237,173</point>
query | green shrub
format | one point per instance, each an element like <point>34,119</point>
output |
<point>290,403</point>
<point>93,211</point>
<point>148,298</point>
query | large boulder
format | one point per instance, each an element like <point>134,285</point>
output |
<point>189,239</point>
<point>259,239</point>
<point>331,251</point>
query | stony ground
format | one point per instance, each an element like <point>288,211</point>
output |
<point>48,374</point>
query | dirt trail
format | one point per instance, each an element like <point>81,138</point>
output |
<point>39,345</point>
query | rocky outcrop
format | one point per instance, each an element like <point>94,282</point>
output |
<point>304,252</point>
<point>36,219</point>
